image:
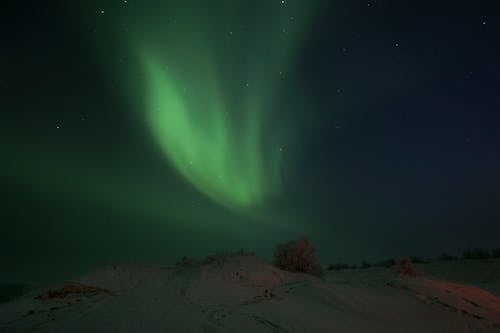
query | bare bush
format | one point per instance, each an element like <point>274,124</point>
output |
<point>405,267</point>
<point>297,256</point>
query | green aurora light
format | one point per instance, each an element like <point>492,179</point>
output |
<point>200,142</point>
<point>211,85</point>
<point>210,101</point>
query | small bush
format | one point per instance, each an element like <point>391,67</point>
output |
<point>476,254</point>
<point>186,262</point>
<point>338,267</point>
<point>404,266</point>
<point>419,260</point>
<point>217,259</point>
<point>297,256</point>
<point>385,263</point>
<point>366,264</point>
<point>220,258</point>
<point>446,257</point>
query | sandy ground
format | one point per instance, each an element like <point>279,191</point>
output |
<point>241,293</point>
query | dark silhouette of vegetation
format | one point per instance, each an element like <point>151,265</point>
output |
<point>297,256</point>
<point>446,257</point>
<point>419,260</point>
<point>404,266</point>
<point>300,256</point>
<point>476,254</point>
<point>221,257</point>
<point>385,263</point>
<point>339,266</point>
<point>366,264</point>
<point>187,262</point>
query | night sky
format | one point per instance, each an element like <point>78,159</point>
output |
<point>142,131</point>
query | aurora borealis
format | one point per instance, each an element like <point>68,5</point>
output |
<point>222,164</point>
<point>155,129</point>
<point>217,121</point>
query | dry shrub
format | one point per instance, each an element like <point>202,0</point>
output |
<point>404,267</point>
<point>297,256</point>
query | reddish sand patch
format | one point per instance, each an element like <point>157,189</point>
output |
<point>469,300</point>
<point>71,290</point>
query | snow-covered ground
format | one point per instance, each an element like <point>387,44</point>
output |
<point>241,293</point>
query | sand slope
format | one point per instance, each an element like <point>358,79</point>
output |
<point>240,293</point>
